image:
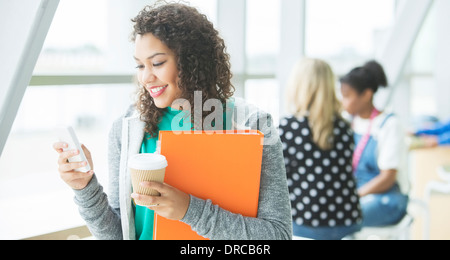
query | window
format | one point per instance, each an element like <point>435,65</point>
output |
<point>265,94</point>
<point>421,70</point>
<point>262,48</point>
<point>74,45</point>
<point>263,36</point>
<point>346,33</point>
<point>83,78</point>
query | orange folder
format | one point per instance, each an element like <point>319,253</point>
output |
<point>224,167</point>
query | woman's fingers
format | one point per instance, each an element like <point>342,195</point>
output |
<point>172,204</point>
<point>159,187</point>
<point>67,167</point>
<point>59,146</point>
<point>147,201</point>
<point>64,156</point>
<point>76,180</point>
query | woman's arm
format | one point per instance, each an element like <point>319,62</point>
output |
<point>380,184</point>
<point>390,151</point>
<point>103,222</point>
<point>103,219</point>
<point>444,139</point>
<point>437,129</point>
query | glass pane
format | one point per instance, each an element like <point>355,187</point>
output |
<point>86,37</point>
<point>423,97</point>
<point>346,32</point>
<point>263,36</point>
<point>423,54</point>
<point>33,198</point>
<point>77,41</point>
<point>421,74</point>
<point>265,94</point>
<point>99,42</point>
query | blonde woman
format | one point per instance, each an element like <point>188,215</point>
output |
<point>318,147</point>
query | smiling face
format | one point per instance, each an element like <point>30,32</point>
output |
<point>157,70</point>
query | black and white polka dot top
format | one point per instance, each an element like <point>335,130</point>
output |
<point>321,184</point>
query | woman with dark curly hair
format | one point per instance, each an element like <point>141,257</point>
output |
<point>377,158</point>
<point>182,66</point>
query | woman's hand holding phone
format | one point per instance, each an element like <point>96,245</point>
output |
<point>75,179</point>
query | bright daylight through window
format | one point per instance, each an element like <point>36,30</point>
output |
<point>84,77</point>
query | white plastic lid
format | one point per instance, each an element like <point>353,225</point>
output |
<point>147,161</point>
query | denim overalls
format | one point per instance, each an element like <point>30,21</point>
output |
<point>378,209</point>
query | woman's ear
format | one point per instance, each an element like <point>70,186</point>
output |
<point>367,95</point>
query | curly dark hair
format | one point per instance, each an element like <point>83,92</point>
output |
<point>202,61</point>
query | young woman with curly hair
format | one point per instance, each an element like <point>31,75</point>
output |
<point>181,62</point>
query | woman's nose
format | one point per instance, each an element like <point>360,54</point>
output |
<point>147,76</point>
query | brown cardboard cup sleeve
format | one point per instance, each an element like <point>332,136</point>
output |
<point>147,168</point>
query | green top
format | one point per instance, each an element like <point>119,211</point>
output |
<point>144,217</point>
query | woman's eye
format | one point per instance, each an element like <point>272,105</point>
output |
<point>158,64</point>
<point>140,67</point>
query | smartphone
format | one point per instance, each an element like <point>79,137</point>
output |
<point>67,135</point>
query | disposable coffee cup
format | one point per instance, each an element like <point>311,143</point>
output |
<point>148,167</point>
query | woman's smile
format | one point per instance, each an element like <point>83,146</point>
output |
<point>156,91</point>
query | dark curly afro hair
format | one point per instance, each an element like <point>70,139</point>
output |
<point>202,61</point>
